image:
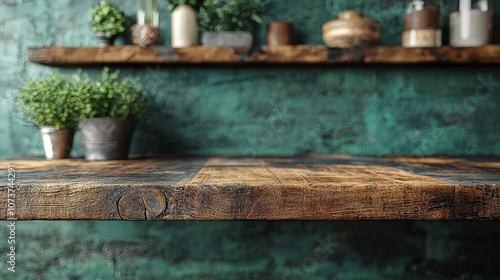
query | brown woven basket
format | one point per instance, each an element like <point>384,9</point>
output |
<point>145,35</point>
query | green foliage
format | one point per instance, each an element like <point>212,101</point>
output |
<point>193,3</point>
<point>109,97</point>
<point>107,18</point>
<point>231,15</point>
<point>48,101</point>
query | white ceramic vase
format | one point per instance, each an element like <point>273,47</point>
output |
<point>185,30</point>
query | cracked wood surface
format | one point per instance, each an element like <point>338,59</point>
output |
<point>320,187</point>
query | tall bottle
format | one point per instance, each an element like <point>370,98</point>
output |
<point>422,24</point>
<point>471,23</point>
<point>184,26</point>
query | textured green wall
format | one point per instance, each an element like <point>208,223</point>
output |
<point>256,250</point>
<point>271,110</point>
<point>264,111</point>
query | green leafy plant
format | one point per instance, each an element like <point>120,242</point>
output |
<point>108,19</point>
<point>193,3</point>
<point>109,97</point>
<point>48,101</point>
<point>231,15</point>
<point>150,8</point>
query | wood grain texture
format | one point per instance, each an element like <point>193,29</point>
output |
<point>300,54</point>
<point>321,187</point>
<point>130,54</point>
<point>377,55</point>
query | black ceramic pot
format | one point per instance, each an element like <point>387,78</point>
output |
<point>104,41</point>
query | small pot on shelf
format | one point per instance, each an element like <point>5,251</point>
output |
<point>279,33</point>
<point>105,41</point>
<point>233,39</point>
<point>105,138</point>
<point>57,143</point>
<point>146,33</point>
<point>107,21</point>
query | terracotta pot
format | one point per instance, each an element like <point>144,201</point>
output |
<point>145,35</point>
<point>279,33</point>
<point>352,29</point>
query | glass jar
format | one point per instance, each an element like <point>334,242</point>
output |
<point>422,24</point>
<point>471,23</point>
<point>150,19</point>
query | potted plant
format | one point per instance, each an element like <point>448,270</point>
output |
<point>108,109</point>
<point>230,22</point>
<point>184,22</point>
<point>146,31</point>
<point>108,22</point>
<point>48,103</point>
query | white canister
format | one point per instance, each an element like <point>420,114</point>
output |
<point>185,30</point>
<point>470,25</point>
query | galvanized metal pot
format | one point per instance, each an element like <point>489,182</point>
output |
<point>235,39</point>
<point>57,143</point>
<point>106,139</point>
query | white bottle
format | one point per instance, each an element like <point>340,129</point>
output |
<point>184,27</point>
<point>470,26</point>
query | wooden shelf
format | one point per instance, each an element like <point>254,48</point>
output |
<point>323,187</point>
<point>301,54</point>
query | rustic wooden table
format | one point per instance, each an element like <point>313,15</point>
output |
<point>322,187</point>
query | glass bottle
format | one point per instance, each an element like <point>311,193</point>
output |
<point>471,23</point>
<point>422,24</point>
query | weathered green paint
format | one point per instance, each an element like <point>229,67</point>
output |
<point>255,250</point>
<point>272,110</point>
<point>264,111</point>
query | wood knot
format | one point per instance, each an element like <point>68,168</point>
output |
<point>145,203</point>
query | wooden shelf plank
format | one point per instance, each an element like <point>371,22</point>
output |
<point>301,54</point>
<point>61,56</point>
<point>377,55</point>
<point>322,187</point>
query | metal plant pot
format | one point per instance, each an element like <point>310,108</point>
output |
<point>235,39</point>
<point>106,139</point>
<point>57,143</point>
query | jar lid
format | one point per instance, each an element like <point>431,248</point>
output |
<point>350,15</point>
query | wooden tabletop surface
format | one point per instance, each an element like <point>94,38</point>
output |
<point>319,187</point>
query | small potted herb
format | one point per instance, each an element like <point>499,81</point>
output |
<point>230,22</point>
<point>108,22</point>
<point>48,103</point>
<point>146,31</point>
<point>108,109</point>
<point>184,22</point>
